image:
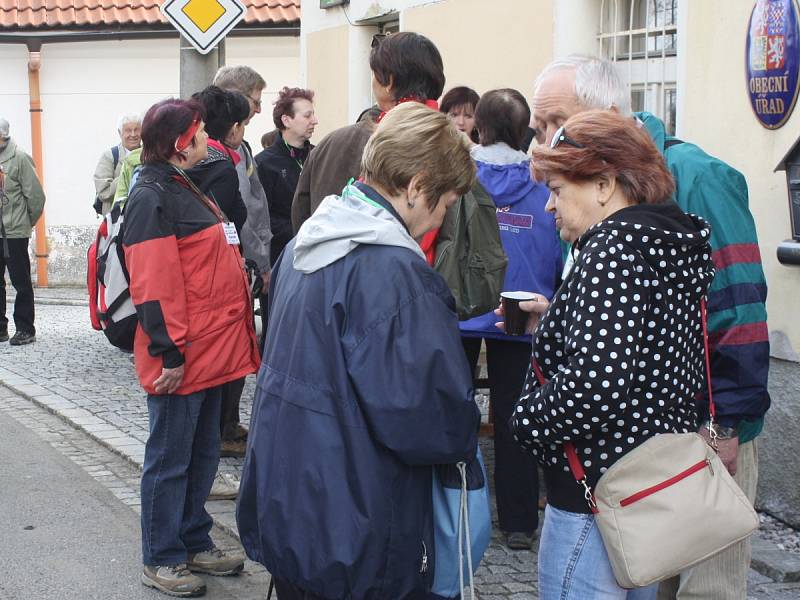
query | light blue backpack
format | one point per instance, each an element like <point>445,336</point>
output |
<point>462,523</point>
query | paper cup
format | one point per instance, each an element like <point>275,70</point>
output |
<point>515,318</point>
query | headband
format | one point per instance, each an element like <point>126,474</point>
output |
<point>185,139</point>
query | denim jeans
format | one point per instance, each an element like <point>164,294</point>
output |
<point>180,462</point>
<point>573,563</point>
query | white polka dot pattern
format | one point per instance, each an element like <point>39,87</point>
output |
<point>621,346</point>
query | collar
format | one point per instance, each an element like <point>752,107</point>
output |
<point>429,103</point>
<point>371,193</point>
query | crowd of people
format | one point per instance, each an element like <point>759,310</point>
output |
<point>367,358</point>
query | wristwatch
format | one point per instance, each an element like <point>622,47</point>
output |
<point>723,433</point>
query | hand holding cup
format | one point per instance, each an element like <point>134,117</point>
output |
<point>521,312</point>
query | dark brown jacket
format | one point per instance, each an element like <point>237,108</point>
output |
<point>329,167</point>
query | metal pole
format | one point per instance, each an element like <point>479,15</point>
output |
<point>198,70</point>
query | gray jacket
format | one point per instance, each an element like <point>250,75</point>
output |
<point>106,174</point>
<point>23,197</point>
<point>256,233</point>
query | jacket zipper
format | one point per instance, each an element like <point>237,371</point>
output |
<point>424,567</point>
<point>705,463</point>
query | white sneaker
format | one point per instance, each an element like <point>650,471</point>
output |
<point>226,487</point>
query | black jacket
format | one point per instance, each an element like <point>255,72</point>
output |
<point>279,168</point>
<point>621,346</point>
<point>216,177</point>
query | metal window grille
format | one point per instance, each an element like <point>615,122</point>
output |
<point>642,34</point>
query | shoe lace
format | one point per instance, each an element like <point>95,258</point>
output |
<point>180,570</point>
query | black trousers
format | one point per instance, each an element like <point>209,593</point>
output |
<point>19,271</point>
<point>516,479</point>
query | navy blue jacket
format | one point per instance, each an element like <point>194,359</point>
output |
<point>363,387</point>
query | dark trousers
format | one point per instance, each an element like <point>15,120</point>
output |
<point>180,460</point>
<point>229,416</point>
<point>516,479</point>
<point>19,271</point>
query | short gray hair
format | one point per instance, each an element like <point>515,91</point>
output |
<point>128,118</point>
<point>597,82</point>
<point>4,128</point>
<point>242,79</point>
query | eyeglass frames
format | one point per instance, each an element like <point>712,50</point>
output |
<point>378,38</point>
<point>562,137</point>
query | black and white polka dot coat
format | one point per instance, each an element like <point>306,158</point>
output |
<point>621,344</point>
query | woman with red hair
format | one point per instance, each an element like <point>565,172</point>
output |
<point>620,348</point>
<point>195,334</point>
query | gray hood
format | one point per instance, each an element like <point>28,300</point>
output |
<point>341,224</point>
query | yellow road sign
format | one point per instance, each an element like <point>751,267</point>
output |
<point>204,22</point>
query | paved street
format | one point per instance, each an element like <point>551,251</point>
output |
<point>74,373</point>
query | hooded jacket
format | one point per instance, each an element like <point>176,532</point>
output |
<point>527,232</point>
<point>364,386</point>
<point>24,193</point>
<point>621,346</point>
<point>737,314</point>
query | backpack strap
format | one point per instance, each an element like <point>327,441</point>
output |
<point>672,142</point>
<point>115,156</point>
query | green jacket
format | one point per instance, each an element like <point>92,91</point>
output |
<point>737,316</point>
<point>23,199</point>
<point>129,164</point>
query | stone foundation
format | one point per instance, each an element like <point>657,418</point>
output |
<point>67,246</point>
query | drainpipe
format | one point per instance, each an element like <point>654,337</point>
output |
<point>34,64</point>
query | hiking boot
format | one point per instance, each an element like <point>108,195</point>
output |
<point>233,448</point>
<point>3,335</point>
<point>174,580</point>
<point>215,562</point>
<point>22,337</point>
<point>225,487</point>
<point>519,540</point>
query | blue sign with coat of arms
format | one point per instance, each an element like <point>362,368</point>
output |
<point>773,61</point>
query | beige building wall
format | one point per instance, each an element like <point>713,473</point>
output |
<point>501,44</point>
<point>717,116</point>
<point>504,43</point>
<point>327,70</point>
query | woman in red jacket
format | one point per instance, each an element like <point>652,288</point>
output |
<point>188,284</point>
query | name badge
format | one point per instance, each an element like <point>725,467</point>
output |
<point>230,233</point>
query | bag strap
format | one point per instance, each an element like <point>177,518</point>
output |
<point>463,529</point>
<point>115,156</point>
<point>572,456</point>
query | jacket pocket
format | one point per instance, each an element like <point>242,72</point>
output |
<point>653,489</point>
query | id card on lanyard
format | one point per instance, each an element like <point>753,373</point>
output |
<point>230,233</point>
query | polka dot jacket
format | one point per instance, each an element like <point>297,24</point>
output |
<point>621,346</point>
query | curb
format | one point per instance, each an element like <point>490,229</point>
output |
<point>223,512</point>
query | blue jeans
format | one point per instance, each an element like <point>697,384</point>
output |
<point>180,462</point>
<point>573,563</point>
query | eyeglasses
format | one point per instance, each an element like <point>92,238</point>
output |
<point>562,137</point>
<point>256,103</point>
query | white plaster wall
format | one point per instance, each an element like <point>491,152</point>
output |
<point>86,86</point>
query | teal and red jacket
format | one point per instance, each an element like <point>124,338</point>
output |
<point>737,315</point>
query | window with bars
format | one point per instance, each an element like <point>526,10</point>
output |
<point>641,35</point>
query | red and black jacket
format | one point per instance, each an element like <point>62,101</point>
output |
<point>188,285</point>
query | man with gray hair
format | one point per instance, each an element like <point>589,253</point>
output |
<point>737,328</point>
<point>21,205</point>
<point>256,237</point>
<point>108,167</point>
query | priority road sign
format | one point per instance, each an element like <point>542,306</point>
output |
<point>204,22</point>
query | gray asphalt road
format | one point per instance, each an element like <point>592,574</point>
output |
<point>63,536</point>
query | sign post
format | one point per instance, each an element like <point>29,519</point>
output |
<point>203,25</point>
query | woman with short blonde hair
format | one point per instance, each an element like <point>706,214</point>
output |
<point>364,384</point>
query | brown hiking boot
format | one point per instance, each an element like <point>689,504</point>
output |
<point>233,448</point>
<point>215,562</point>
<point>174,580</point>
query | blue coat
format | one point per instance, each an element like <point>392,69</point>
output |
<point>528,235</point>
<point>363,386</point>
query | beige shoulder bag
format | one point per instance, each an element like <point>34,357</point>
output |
<point>668,504</point>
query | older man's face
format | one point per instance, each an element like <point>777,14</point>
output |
<point>553,103</point>
<point>131,135</point>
